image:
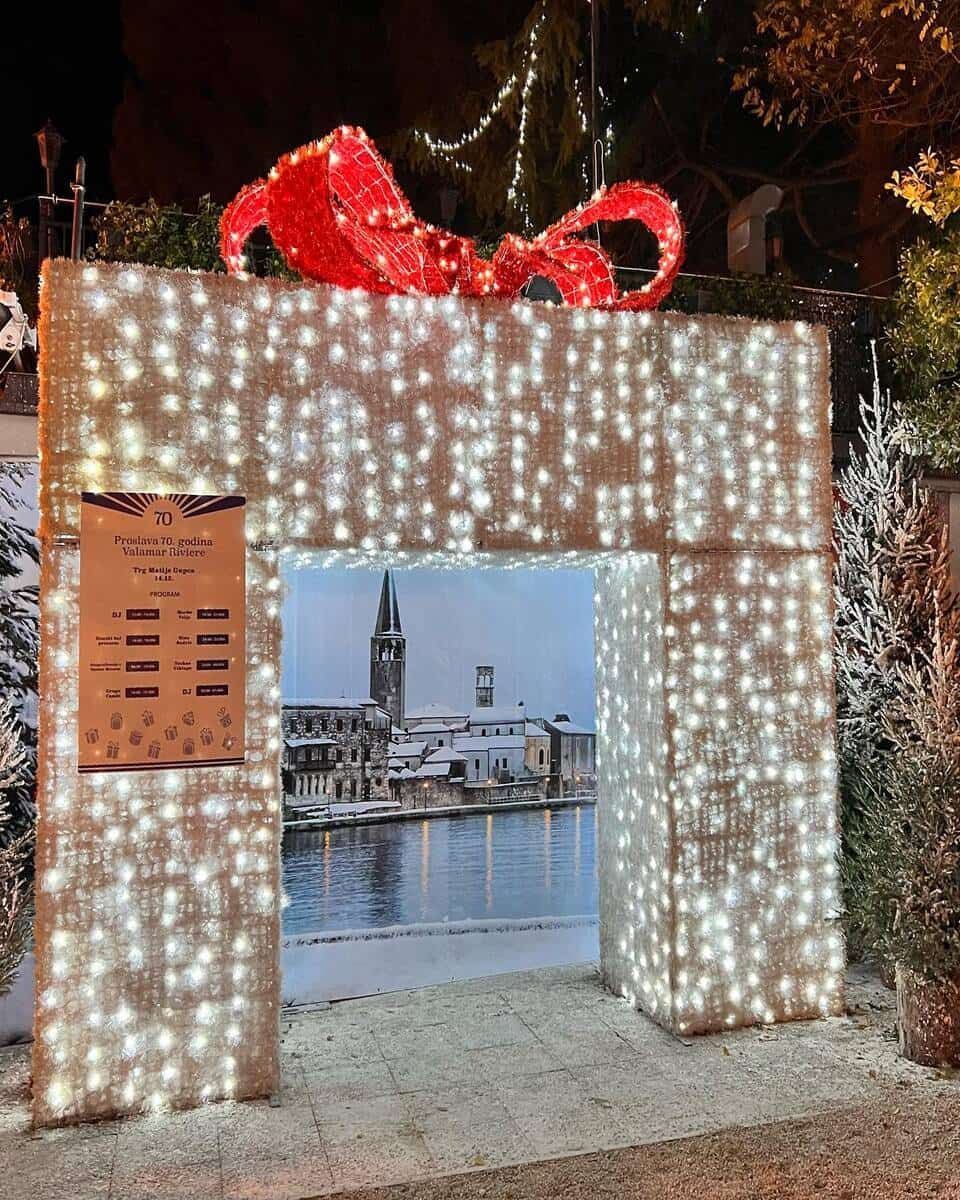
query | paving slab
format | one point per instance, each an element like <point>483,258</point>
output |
<point>463,1078</point>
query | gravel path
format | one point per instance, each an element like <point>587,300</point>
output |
<point>907,1147</point>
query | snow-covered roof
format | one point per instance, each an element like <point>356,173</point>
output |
<point>494,716</point>
<point>502,741</point>
<point>431,727</point>
<point>532,729</point>
<point>397,732</point>
<point>406,750</point>
<point>406,773</point>
<point>434,770</point>
<point>293,743</point>
<point>570,727</point>
<point>435,712</point>
<point>445,754</point>
<point>392,774</point>
<point>331,702</point>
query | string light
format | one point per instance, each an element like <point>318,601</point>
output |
<point>448,151</point>
<point>441,147</point>
<point>514,198</point>
<point>337,214</point>
<point>686,460</point>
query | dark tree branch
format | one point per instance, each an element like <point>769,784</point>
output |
<point>708,172</point>
<point>814,241</point>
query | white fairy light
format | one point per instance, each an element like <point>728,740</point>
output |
<point>442,146</point>
<point>513,190</point>
<point>684,460</point>
<point>448,150</point>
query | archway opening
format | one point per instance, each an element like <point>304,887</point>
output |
<point>439,799</point>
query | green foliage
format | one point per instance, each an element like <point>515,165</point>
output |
<point>16,852</point>
<point>165,236</point>
<point>161,235</point>
<point>762,297</point>
<point>910,828</point>
<point>925,340</point>
<point>544,61</point>
<point>19,638</point>
<point>887,61</point>
<point>268,261</point>
<point>684,15</point>
<point>17,261</point>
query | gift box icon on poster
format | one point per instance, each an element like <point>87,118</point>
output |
<point>170,733</point>
<point>229,742</point>
<point>153,750</point>
<point>113,750</point>
<point>148,717</point>
<point>188,718</point>
<point>206,736</point>
<point>224,717</point>
<point>116,720</point>
<point>92,736</point>
<point>189,745</point>
<point>136,737</point>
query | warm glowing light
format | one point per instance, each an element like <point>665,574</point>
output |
<point>336,212</point>
<point>685,460</point>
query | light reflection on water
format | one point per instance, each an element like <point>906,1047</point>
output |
<point>468,867</point>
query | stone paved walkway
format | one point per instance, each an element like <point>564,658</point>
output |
<point>463,1077</point>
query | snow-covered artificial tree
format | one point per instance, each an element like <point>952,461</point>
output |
<point>910,848</point>
<point>14,854</point>
<point>18,636</point>
<point>892,591</point>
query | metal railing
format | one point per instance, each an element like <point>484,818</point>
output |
<point>853,320</point>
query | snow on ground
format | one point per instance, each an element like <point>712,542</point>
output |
<point>335,966</point>
<point>319,967</point>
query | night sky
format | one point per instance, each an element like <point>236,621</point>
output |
<point>175,99</point>
<point>67,67</point>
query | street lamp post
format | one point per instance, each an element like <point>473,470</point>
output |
<point>49,142</point>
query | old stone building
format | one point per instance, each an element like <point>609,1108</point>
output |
<point>369,750</point>
<point>491,721</point>
<point>537,758</point>
<point>485,686</point>
<point>445,714</point>
<point>493,759</point>
<point>572,753</point>
<point>335,750</point>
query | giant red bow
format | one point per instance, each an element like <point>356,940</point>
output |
<point>336,213</point>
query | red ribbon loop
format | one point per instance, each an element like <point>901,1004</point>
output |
<point>336,213</point>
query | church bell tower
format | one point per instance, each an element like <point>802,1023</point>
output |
<point>484,687</point>
<point>388,654</point>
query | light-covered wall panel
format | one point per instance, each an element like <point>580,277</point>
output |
<point>634,820</point>
<point>158,895</point>
<point>685,459</point>
<point>749,683</point>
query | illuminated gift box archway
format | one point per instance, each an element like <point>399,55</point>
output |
<point>685,460</point>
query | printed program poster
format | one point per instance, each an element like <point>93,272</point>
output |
<point>162,612</point>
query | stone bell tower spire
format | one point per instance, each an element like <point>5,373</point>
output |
<point>388,654</point>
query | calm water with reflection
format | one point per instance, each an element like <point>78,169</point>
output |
<point>469,867</point>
